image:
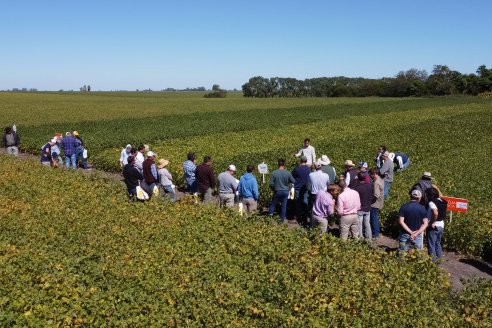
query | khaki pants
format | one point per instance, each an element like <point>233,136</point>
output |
<point>320,222</point>
<point>226,200</point>
<point>250,205</point>
<point>349,223</point>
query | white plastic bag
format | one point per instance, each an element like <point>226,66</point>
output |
<point>155,192</point>
<point>84,153</point>
<point>141,194</point>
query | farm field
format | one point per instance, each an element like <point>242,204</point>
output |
<point>73,252</point>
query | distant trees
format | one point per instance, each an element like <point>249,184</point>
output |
<point>413,82</point>
<point>85,88</point>
<point>217,92</point>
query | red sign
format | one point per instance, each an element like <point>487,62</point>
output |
<point>456,204</point>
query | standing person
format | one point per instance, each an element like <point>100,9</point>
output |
<point>328,168</point>
<point>423,185</point>
<point>386,172</point>
<point>318,180</point>
<point>139,159</point>
<point>379,160</point>
<point>350,174</point>
<point>365,191</point>
<point>227,186</point>
<point>69,149</point>
<point>413,222</point>
<point>165,180</point>
<point>132,178</point>
<point>401,160</point>
<point>150,175</point>
<point>437,214</point>
<point>11,141</point>
<point>279,182</point>
<point>363,168</point>
<point>324,207</point>
<point>205,178</point>
<point>189,168</point>
<point>79,149</point>
<point>46,158</point>
<point>377,201</point>
<point>348,204</point>
<point>308,151</point>
<point>248,190</point>
<point>125,152</point>
<point>301,176</point>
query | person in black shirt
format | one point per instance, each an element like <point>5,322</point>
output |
<point>132,178</point>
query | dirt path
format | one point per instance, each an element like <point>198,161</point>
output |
<point>457,266</point>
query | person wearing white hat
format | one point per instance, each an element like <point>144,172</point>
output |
<point>328,168</point>
<point>413,220</point>
<point>227,186</point>
<point>125,152</point>
<point>350,174</point>
<point>165,180</point>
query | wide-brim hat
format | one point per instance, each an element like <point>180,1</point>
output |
<point>427,175</point>
<point>349,162</point>
<point>324,160</point>
<point>162,163</point>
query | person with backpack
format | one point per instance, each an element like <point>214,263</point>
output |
<point>79,149</point>
<point>437,214</point>
<point>424,184</point>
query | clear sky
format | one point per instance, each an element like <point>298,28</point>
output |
<point>115,45</point>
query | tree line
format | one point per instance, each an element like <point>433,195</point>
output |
<point>443,81</point>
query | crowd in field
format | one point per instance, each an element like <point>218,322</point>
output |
<point>355,197</point>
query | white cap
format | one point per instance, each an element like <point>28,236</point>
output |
<point>150,153</point>
<point>54,140</point>
<point>128,146</point>
<point>232,167</point>
<point>416,193</point>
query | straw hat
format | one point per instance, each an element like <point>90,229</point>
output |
<point>162,163</point>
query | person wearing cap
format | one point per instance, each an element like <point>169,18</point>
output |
<point>308,151</point>
<point>205,178</point>
<point>318,180</point>
<point>165,180</point>
<point>365,191</point>
<point>348,204</point>
<point>79,149</point>
<point>69,149</point>
<point>350,174</point>
<point>328,168</point>
<point>279,183</point>
<point>248,190</point>
<point>413,220</point>
<point>125,152</point>
<point>423,185</point>
<point>11,141</point>
<point>227,186</point>
<point>324,207</point>
<point>46,158</point>
<point>379,160</point>
<point>132,178</point>
<point>150,175</point>
<point>386,172</point>
<point>301,195</point>
<point>377,200</point>
<point>189,168</point>
<point>401,160</point>
<point>362,167</point>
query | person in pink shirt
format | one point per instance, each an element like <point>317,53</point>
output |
<point>324,207</point>
<point>348,203</point>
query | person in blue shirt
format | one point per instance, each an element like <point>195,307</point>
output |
<point>248,190</point>
<point>70,149</point>
<point>401,160</point>
<point>301,175</point>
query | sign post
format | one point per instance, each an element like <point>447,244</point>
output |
<point>456,205</point>
<point>263,169</point>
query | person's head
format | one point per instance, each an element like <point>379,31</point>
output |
<point>349,164</point>
<point>362,166</point>
<point>207,160</point>
<point>374,173</point>
<point>52,142</point>
<point>382,148</point>
<point>128,148</point>
<point>333,190</point>
<point>385,155</point>
<point>416,195</point>
<point>432,193</point>
<point>68,134</point>
<point>141,148</point>
<point>151,155</point>
<point>303,160</point>
<point>250,168</point>
<point>8,130</point>
<point>427,176</point>
<point>76,134</point>
<point>361,176</point>
<point>191,156</point>
<point>133,151</point>
<point>231,169</point>
<point>318,165</point>
<point>281,162</point>
<point>307,142</point>
<point>131,160</point>
<point>342,185</point>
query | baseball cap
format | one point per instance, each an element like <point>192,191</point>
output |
<point>416,193</point>
<point>150,153</point>
<point>232,167</point>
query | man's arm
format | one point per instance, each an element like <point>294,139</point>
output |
<point>404,225</point>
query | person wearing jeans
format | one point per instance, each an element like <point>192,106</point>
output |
<point>365,191</point>
<point>69,148</point>
<point>377,201</point>
<point>279,182</point>
<point>413,222</point>
<point>437,214</point>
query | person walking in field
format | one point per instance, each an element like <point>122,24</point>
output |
<point>348,204</point>
<point>70,150</point>
<point>279,182</point>
<point>324,207</point>
<point>386,172</point>
<point>79,149</point>
<point>248,190</point>
<point>150,174</point>
<point>328,168</point>
<point>205,178</point>
<point>308,151</point>
<point>401,160</point>
<point>227,186</point>
<point>413,222</point>
<point>132,178</point>
<point>365,191</point>
<point>11,141</point>
<point>301,193</point>
<point>437,214</point>
<point>125,152</point>
<point>165,180</point>
<point>377,201</point>
<point>189,168</point>
<point>379,160</point>
<point>46,158</point>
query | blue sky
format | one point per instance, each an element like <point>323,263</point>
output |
<point>114,45</point>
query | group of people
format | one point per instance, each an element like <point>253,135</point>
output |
<point>73,149</point>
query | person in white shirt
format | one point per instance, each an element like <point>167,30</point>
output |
<point>308,151</point>
<point>437,214</point>
<point>139,159</point>
<point>125,152</point>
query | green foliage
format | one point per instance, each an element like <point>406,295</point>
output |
<point>84,256</point>
<point>475,304</point>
